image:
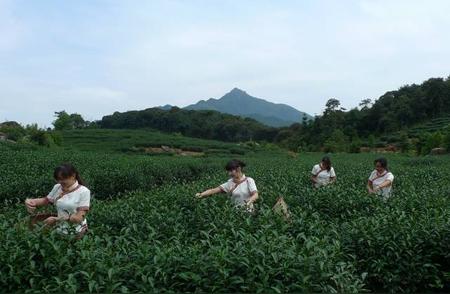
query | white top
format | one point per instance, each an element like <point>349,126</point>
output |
<point>77,199</point>
<point>377,179</point>
<point>323,176</point>
<point>240,191</point>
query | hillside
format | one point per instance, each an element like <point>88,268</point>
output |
<point>437,124</point>
<point>415,109</point>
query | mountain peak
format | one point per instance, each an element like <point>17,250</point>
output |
<point>235,94</point>
<point>237,91</point>
<point>238,102</point>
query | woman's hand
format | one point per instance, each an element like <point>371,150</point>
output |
<point>249,206</point>
<point>50,221</point>
<point>30,204</point>
<point>208,193</point>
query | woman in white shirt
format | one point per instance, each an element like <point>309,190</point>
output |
<point>381,179</point>
<point>323,173</point>
<point>71,199</point>
<point>242,189</point>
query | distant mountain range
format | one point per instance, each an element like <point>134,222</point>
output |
<point>238,102</point>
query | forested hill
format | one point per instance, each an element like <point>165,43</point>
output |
<point>205,124</point>
<point>407,106</point>
<point>395,111</point>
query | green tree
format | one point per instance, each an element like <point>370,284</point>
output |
<point>446,139</point>
<point>355,145</point>
<point>332,105</point>
<point>365,104</point>
<point>304,120</point>
<point>13,132</point>
<point>65,121</point>
<point>337,142</point>
<point>404,143</point>
<point>77,121</point>
<point>371,141</point>
<point>56,138</point>
<point>433,140</point>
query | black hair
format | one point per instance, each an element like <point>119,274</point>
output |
<point>66,170</point>
<point>327,161</point>
<point>382,161</point>
<point>234,164</point>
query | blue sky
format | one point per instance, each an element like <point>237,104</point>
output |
<point>97,57</point>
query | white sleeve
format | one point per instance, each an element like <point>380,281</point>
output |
<point>372,175</point>
<point>252,186</point>
<point>390,177</point>
<point>53,193</point>
<point>315,169</point>
<point>226,187</point>
<point>85,200</point>
<point>332,173</point>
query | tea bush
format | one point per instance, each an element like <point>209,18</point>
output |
<point>29,173</point>
<point>167,242</point>
<point>159,238</point>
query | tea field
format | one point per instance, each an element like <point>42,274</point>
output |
<point>113,140</point>
<point>149,234</point>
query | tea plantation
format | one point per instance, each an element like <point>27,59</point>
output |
<point>149,234</point>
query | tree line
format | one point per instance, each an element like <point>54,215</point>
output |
<point>376,124</point>
<point>206,124</point>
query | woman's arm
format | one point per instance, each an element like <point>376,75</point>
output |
<point>332,180</point>
<point>209,192</point>
<point>314,179</point>
<point>253,198</point>
<point>32,203</point>
<point>370,186</point>
<point>75,218</point>
<point>385,184</point>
